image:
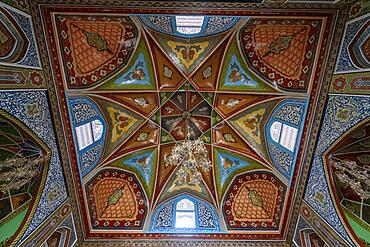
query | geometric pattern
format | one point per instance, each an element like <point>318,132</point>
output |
<point>228,164</point>
<point>250,122</point>
<point>237,76</point>
<point>170,86</point>
<point>138,74</point>
<point>342,113</point>
<point>286,54</point>
<point>109,71</point>
<point>93,47</point>
<point>254,201</point>
<point>186,110</point>
<point>116,200</point>
<point>142,163</point>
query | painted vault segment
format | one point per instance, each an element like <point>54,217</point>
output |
<point>19,47</point>
<point>222,87</point>
<point>343,134</point>
<point>64,235</point>
<point>32,108</point>
<point>138,74</point>
<point>19,197</point>
<point>352,147</point>
<point>342,113</point>
<point>354,54</point>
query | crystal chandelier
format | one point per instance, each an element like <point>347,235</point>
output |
<point>352,175</point>
<point>19,171</point>
<point>190,156</point>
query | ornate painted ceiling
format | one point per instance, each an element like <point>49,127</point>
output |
<point>122,85</point>
<point>134,85</point>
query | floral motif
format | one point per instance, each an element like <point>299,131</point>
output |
<point>339,83</point>
<point>355,9</point>
<point>36,78</point>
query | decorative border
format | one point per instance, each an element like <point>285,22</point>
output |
<point>303,172</point>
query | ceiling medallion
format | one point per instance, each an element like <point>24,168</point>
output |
<point>190,156</point>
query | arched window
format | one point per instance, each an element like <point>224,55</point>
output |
<point>89,133</point>
<point>284,134</point>
<point>185,214</point>
<point>189,24</point>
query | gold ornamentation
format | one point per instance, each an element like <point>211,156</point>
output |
<point>142,137</point>
<point>141,101</point>
<point>167,72</point>
<point>229,138</point>
<point>187,53</point>
<point>3,38</point>
<point>252,123</point>
<point>207,73</point>
<point>121,122</point>
<point>95,40</point>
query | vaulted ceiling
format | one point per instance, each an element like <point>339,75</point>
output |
<point>124,84</point>
<point>134,85</point>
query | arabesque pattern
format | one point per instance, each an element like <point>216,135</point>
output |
<point>152,89</point>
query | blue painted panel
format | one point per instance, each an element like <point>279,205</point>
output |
<point>164,219</point>
<point>342,112</point>
<point>211,25</point>
<point>84,111</point>
<point>137,75</point>
<point>291,113</point>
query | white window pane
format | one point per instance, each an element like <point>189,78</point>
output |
<point>185,220</point>
<point>185,204</point>
<point>84,136</point>
<point>288,137</point>
<point>188,30</point>
<point>194,21</point>
<point>97,129</point>
<point>275,130</point>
